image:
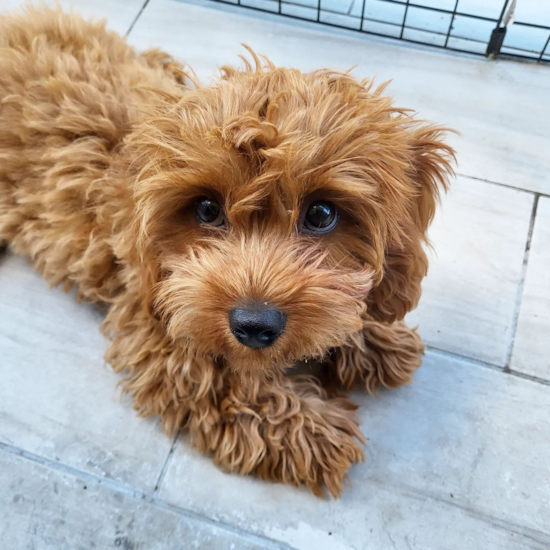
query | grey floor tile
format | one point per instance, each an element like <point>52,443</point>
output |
<point>119,14</point>
<point>8,5</point>
<point>497,106</point>
<point>456,460</point>
<point>57,399</point>
<point>470,294</point>
<point>44,509</point>
<point>532,344</point>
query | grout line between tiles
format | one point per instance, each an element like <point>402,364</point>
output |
<point>263,542</point>
<point>259,539</point>
<point>162,474</point>
<point>521,285</point>
<point>137,17</point>
<point>491,366</point>
<point>506,185</point>
<point>75,472</point>
<point>121,488</point>
<point>529,377</point>
<point>454,355</point>
<point>506,525</point>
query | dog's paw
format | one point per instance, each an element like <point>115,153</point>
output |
<point>381,355</point>
<point>331,457</point>
<point>313,443</point>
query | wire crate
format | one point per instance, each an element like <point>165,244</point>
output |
<point>481,27</point>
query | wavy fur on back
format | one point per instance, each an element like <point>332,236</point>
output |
<point>103,154</point>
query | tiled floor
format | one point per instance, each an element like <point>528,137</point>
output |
<point>459,459</point>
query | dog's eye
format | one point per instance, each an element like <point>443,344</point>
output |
<point>320,217</point>
<point>209,212</point>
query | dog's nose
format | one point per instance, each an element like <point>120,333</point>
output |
<point>257,328</point>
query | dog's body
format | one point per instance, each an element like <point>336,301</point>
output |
<point>104,153</point>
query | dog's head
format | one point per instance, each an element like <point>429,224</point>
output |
<point>275,208</point>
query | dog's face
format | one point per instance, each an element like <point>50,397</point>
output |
<point>278,208</point>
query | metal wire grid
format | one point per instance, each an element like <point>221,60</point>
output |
<point>362,17</point>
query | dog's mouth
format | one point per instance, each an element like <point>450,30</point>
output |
<point>266,362</point>
<point>308,367</point>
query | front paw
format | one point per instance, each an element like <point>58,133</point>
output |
<point>331,447</point>
<point>309,441</point>
<point>381,355</point>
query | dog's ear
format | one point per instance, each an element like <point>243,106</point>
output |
<point>148,275</point>
<point>405,263</point>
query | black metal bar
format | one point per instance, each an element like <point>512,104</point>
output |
<point>496,41</point>
<point>519,56</point>
<point>543,50</point>
<point>497,36</point>
<point>532,25</point>
<point>404,20</point>
<point>451,24</point>
<point>362,14</point>
<point>279,6</point>
<point>318,11</point>
<point>440,10</point>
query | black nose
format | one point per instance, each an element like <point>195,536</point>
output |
<point>257,328</point>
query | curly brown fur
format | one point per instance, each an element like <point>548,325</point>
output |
<point>103,154</point>
<point>383,354</point>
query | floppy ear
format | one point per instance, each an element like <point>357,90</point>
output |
<point>405,263</point>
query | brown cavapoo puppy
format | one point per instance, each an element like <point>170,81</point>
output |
<point>232,231</point>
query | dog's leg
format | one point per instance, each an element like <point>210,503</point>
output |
<point>381,355</point>
<point>162,378</point>
<point>284,429</point>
